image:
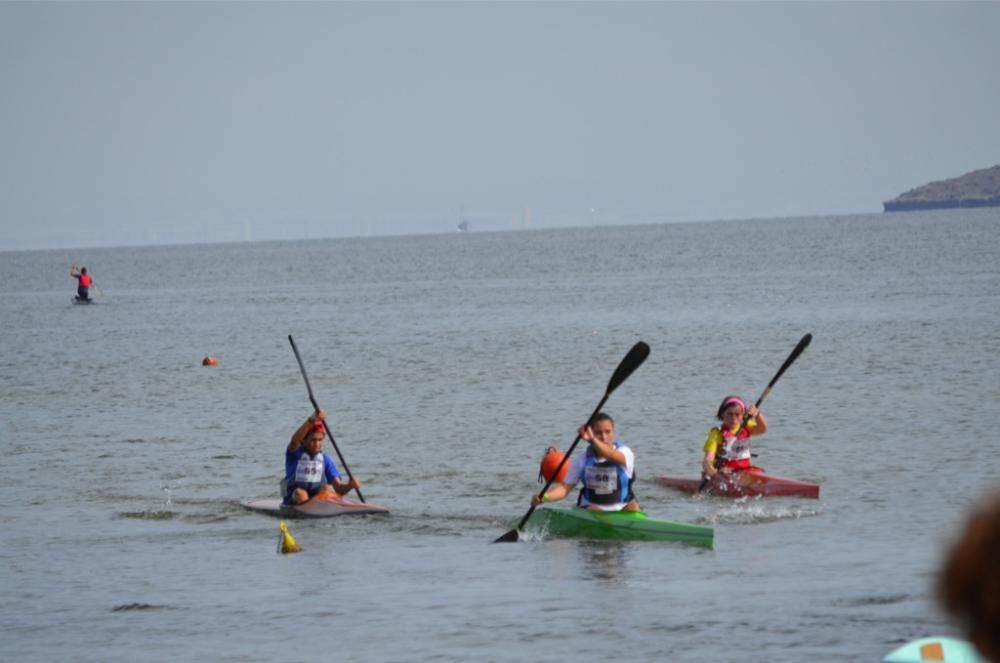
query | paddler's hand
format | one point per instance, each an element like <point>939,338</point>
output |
<point>536,500</point>
<point>319,415</point>
<point>752,411</point>
<point>586,433</point>
<point>344,487</point>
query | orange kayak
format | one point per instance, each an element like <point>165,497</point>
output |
<point>746,483</point>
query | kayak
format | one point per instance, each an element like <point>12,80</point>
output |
<point>746,483</point>
<point>78,300</point>
<point>948,650</point>
<point>623,525</point>
<point>321,506</point>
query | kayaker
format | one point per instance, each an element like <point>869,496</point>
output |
<point>84,282</point>
<point>969,583</point>
<point>607,471</point>
<point>727,447</point>
<point>309,471</point>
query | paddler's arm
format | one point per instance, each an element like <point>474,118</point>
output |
<point>344,487</point>
<point>708,465</point>
<point>711,447</point>
<point>760,422</point>
<point>300,432</point>
<point>556,492</point>
<point>605,451</point>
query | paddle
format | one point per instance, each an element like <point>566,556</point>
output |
<point>632,361</point>
<point>329,432</point>
<point>799,349</point>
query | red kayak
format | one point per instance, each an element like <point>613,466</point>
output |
<point>746,483</point>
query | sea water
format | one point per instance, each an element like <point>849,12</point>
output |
<point>446,364</point>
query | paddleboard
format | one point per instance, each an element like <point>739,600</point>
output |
<point>948,650</point>
<point>324,506</point>
<point>622,525</point>
<point>76,300</point>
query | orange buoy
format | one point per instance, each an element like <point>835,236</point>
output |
<point>209,361</point>
<point>550,461</point>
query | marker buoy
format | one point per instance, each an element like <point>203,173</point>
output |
<point>209,361</point>
<point>286,542</point>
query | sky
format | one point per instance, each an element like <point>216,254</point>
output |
<point>139,123</point>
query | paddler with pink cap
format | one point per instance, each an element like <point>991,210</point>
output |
<point>308,471</point>
<point>728,445</point>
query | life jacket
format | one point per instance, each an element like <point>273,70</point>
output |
<point>734,451</point>
<point>85,280</point>
<point>604,482</point>
<point>309,472</point>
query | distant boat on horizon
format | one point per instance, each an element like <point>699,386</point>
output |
<point>463,226</point>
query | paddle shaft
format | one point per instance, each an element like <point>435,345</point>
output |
<point>312,399</point>
<point>799,349</point>
<point>626,367</point>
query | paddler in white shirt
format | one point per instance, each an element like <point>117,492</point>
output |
<point>606,470</point>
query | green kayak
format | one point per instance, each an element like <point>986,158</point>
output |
<point>623,525</point>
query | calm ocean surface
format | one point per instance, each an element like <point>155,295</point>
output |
<point>447,363</point>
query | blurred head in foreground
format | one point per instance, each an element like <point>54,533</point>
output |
<point>969,585</point>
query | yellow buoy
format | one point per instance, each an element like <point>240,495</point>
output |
<point>286,542</point>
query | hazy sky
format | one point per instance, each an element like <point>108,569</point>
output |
<point>164,122</point>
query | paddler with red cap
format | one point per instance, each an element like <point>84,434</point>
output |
<point>308,471</point>
<point>727,447</point>
<point>607,471</point>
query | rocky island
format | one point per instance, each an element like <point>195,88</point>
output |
<point>980,188</point>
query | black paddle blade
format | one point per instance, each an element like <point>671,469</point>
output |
<point>799,349</point>
<point>632,361</point>
<point>510,537</point>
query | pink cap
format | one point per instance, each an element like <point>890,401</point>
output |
<point>727,401</point>
<point>733,399</point>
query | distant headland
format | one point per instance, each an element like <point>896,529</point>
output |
<point>980,188</point>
